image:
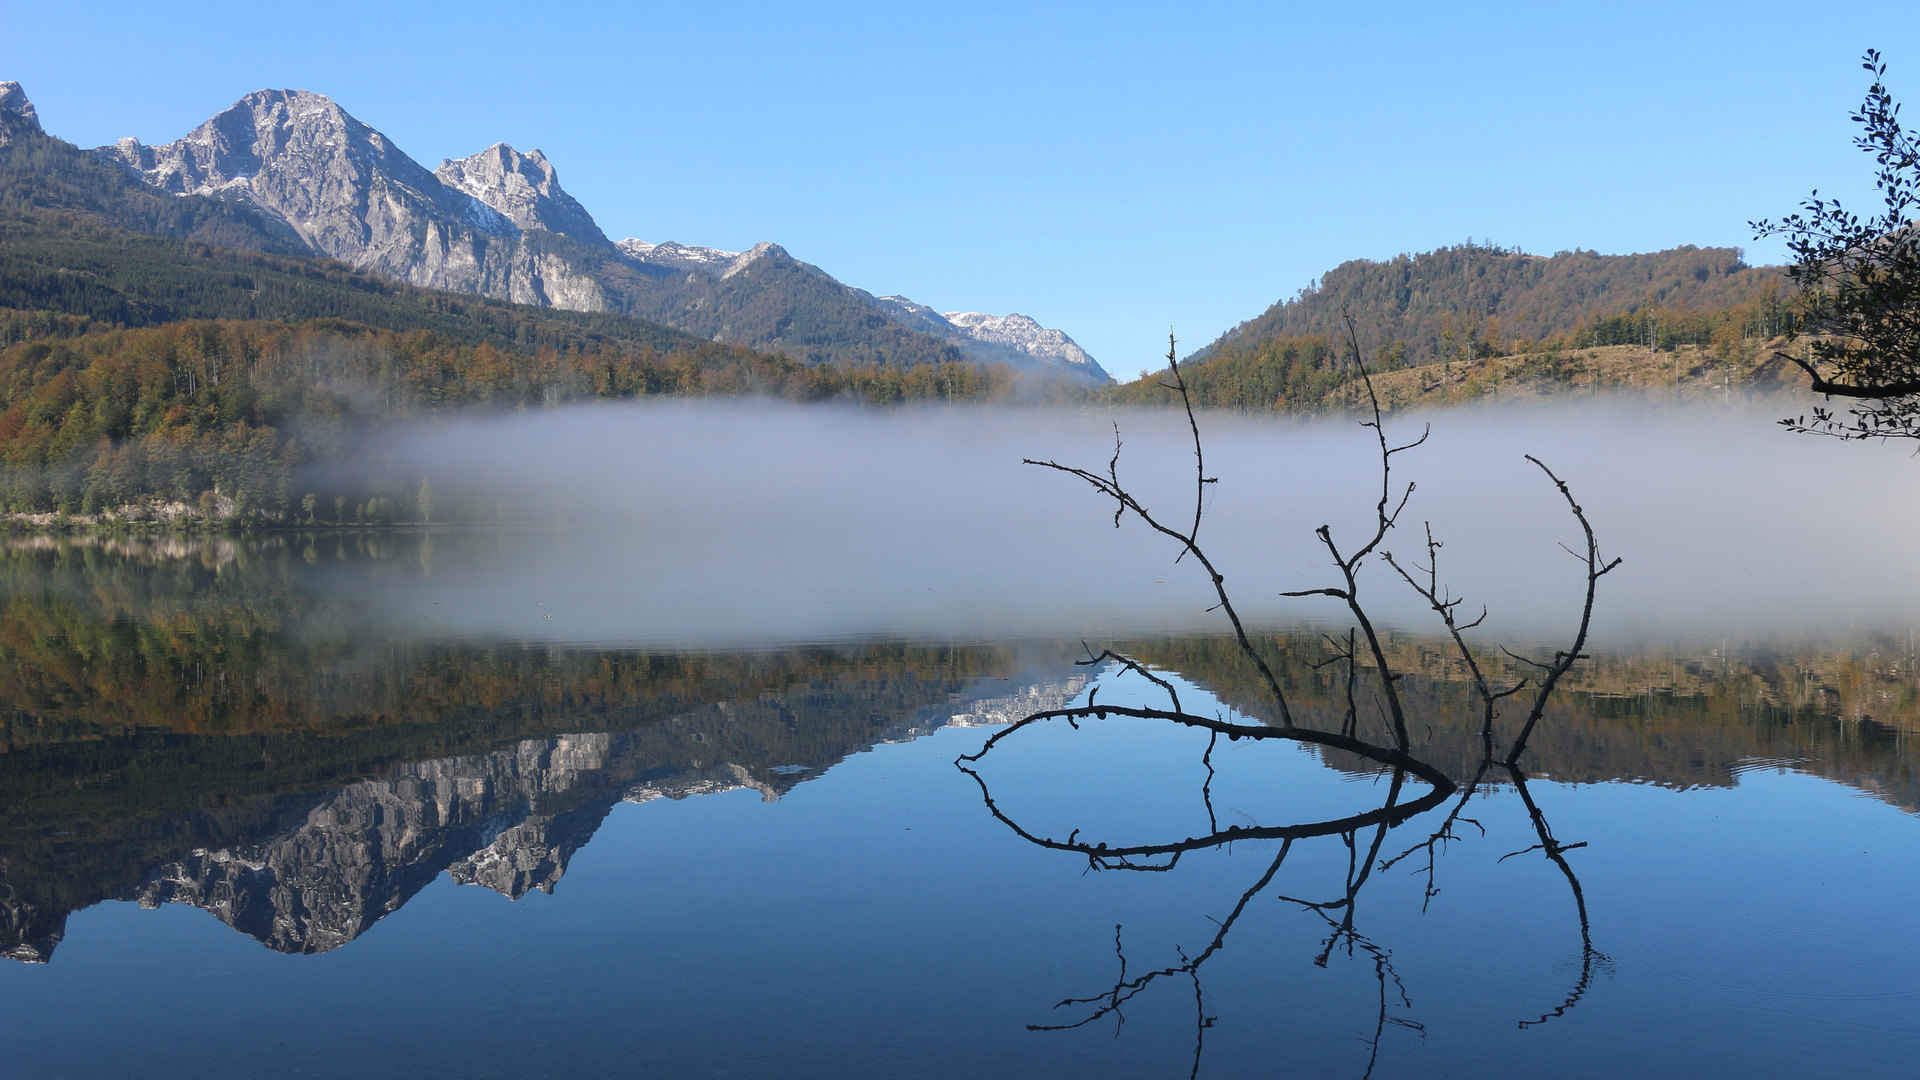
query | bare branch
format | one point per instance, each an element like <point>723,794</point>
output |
<point>1563,662</point>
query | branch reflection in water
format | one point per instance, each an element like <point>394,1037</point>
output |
<point>1364,834</point>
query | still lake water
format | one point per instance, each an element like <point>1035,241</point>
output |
<point>675,793</point>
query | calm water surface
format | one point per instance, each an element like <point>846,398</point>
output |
<point>370,804</point>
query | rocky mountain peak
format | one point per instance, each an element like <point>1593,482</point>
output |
<point>762,250</point>
<point>16,112</point>
<point>278,142</point>
<point>349,193</point>
<point>523,188</point>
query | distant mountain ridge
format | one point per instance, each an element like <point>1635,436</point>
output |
<point>498,223</point>
<point>1015,340</point>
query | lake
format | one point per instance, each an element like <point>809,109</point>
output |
<point>685,779</point>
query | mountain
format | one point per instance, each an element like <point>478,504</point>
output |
<point>499,224</point>
<point>350,194</point>
<point>1014,340</point>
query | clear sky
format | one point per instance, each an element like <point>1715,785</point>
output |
<point>1111,169</point>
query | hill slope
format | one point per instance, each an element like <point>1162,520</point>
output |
<point>1473,300</point>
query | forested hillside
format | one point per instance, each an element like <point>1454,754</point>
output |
<point>1486,299</point>
<point>1453,309</point>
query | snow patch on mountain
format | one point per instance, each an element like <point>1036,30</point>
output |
<point>679,256</point>
<point>1017,341</point>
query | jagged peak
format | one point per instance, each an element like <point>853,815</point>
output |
<point>260,131</point>
<point>523,188</point>
<point>502,157</point>
<point>16,112</point>
<point>13,102</point>
<point>291,108</point>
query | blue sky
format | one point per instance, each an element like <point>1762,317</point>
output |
<point>1111,169</point>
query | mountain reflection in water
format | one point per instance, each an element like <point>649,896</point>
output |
<point>209,723</point>
<point>275,833</point>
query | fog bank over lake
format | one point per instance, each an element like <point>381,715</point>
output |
<point>703,524</point>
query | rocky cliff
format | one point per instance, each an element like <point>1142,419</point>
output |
<point>523,188</point>
<point>16,112</point>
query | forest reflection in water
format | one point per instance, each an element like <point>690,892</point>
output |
<point>200,724</point>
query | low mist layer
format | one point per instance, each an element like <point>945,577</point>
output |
<point>708,523</point>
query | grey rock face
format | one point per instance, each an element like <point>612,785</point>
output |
<point>522,188</point>
<point>347,191</point>
<point>1015,340</point>
<point>16,112</point>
